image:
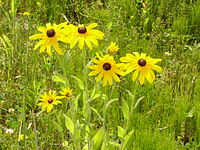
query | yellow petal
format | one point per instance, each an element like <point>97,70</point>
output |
<point>56,47</point>
<point>115,77</point>
<point>93,40</point>
<point>135,74</point>
<point>39,44</point>
<point>88,43</point>
<point>99,77</point>
<point>42,29</point>
<point>109,79</point>
<point>42,49</point>
<point>105,81</point>
<point>157,68</point>
<point>98,34</point>
<point>73,41</point>
<point>37,36</point>
<point>148,75</point>
<point>49,108</point>
<point>142,77</point>
<point>93,73</point>
<point>81,42</point>
<point>49,50</point>
<point>93,25</point>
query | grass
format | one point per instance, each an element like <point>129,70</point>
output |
<point>126,115</point>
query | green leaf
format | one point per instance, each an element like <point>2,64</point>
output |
<point>98,139</point>
<point>128,140</point>
<point>59,78</point>
<point>121,132</point>
<point>85,147</point>
<point>115,144</point>
<point>96,112</point>
<point>125,109</point>
<point>110,101</point>
<point>80,82</point>
<point>69,124</point>
<point>138,101</point>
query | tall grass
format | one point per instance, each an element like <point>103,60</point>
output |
<point>162,115</point>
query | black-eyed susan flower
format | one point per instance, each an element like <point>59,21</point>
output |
<point>106,68</point>
<point>113,48</point>
<point>141,64</point>
<point>48,100</point>
<point>50,37</point>
<point>84,35</point>
<point>66,93</point>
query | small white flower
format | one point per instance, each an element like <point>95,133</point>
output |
<point>9,131</point>
<point>11,110</point>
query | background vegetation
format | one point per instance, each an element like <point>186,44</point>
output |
<point>163,115</point>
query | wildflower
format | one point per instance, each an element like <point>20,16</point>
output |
<point>21,137</point>
<point>48,100</point>
<point>11,110</point>
<point>106,68</point>
<point>9,131</point>
<point>141,64</point>
<point>26,14</point>
<point>50,36</point>
<point>85,34</point>
<point>66,93</point>
<point>113,48</point>
<point>65,144</point>
<point>167,54</point>
<point>39,4</point>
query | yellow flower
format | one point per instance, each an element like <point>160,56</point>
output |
<point>50,36</point>
<point>84,34</point>
<point>21,137</point>
<point>48,100</point>
<point>141,64</point>
<point>107,69</point>
<point>39,4</point>
<point>66,93</point>
<point>26,14</point>
<point>113,48</point>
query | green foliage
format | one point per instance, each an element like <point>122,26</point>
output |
<point>159,116</point>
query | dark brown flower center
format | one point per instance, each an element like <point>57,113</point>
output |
<point>106,66</point>
<point>51,33</point>
<point>50,101</point>
<point>82,30</point>
<point>142,62</point>
<point>67,95</point>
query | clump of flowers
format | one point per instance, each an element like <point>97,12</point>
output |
<point>143,65</point>
<point>84,35</point>
<point>50,37</point>
<point>66,93</point>
<point>106,68</point>
<point>48,100</point>
<point>113,48</point>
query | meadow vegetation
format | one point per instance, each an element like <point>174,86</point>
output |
<point>163,115</point>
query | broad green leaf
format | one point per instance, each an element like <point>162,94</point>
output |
<point>128,140</point>
<point>125,109</point>
<point>69,124</point>
<point>59,78</point>
<point>80,82</point>
<point>98,139</point>
<point>120,132</point>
